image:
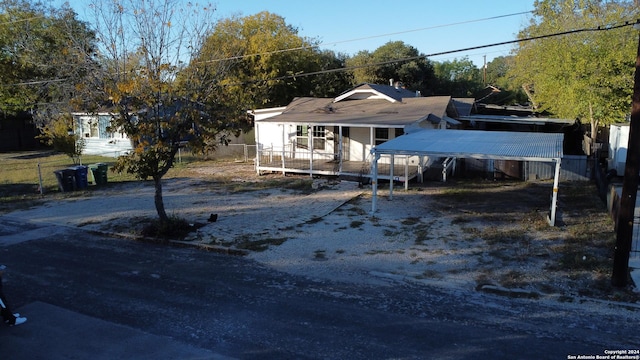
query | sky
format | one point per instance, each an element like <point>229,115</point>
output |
<point>431,26</point>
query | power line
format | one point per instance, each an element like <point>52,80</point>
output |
<point>328,71</point>
<point>599,28</point>
<point>305,47</point>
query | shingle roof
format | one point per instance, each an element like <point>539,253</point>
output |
<point>363,112</point>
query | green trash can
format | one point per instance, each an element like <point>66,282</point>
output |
<point>99,172</point>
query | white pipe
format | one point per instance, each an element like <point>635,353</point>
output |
<point>552,218</point>
<point>374,183</point>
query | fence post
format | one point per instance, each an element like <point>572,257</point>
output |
<point>40,178</point>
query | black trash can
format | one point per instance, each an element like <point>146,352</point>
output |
<point>66,179</point>
<point>81,175</point>
<point>99,172</point>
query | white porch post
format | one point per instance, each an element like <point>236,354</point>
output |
<point>310,142</point>
<point>257,138</point>
<point>340,149</point>
<point>392,162</point>
<point>371,138</point>
<point>284,142</point>
<point>554,199</point>
<point>374,182</point>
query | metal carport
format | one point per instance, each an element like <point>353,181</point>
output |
<point>496,145</point>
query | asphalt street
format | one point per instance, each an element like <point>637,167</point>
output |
<point>92,296</point>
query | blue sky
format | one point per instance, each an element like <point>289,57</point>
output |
<point>431,26</point>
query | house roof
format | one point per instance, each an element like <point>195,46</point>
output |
<point>368,112</point>
<point>376,91</point>
<point>501,145</point>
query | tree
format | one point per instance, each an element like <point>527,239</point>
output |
<point>164,95</point>
<point>268,55</point>
<point>583,74</point>
<point>45,56</point>
<point>497,74</point>
<point>460,78</point>
<point>58,133</point>
<point>394,60</point>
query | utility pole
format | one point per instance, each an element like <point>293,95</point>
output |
<point>624,234</point>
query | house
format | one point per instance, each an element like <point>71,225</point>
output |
<point>98,136</point>
<point>334,136</point>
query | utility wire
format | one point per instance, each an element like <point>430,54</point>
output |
<point>305,47</point>
<point>328,71</point>
<point>599,28</point>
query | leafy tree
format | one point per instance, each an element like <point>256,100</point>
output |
<point>460,78</point>
<point>45,55</point>
<point>58,133</point>
<point>164,96</point>
<point>394,60</point>
<point>267,54</point>
<point>497,74</point>
<point>583,74</point>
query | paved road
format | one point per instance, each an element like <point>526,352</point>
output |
<point>96,297</point>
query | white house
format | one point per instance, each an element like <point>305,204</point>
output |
<point>334,136</point>
<point>99,138</point>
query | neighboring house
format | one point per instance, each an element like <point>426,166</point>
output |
<point>334,136</point>
<point>99,138</point>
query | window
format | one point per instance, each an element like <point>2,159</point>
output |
<point>302,137</point>
<point>399,132</point>
<point>382,135</point>
<point>319,137</point>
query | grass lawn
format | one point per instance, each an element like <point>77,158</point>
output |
<point>22,172</point>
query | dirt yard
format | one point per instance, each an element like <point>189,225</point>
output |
<point>471,234</point>
<point>483,234</point>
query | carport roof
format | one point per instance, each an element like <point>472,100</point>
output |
<point>500,145</point>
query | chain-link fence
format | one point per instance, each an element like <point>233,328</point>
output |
<point>235,152</point>
<point>40,172</point>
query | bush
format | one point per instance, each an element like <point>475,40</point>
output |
<point>174,229</point>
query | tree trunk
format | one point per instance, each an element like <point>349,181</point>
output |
<point>526,90</point>
<point>159,201</point>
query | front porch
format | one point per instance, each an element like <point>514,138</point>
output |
<point>405,168</point>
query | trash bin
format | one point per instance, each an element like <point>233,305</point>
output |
<point>99,172</point>
<point>81,173</point>
<point>66,179</point>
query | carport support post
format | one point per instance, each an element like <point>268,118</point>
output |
<point>406,173</point>
<point>391,177</point>
<point>310,142</point>
<point>374,182</point>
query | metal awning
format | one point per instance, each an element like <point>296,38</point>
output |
<point>498,145</point>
